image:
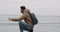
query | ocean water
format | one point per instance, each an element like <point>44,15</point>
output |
<point>46,24</point>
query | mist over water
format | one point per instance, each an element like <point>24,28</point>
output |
<point>46,24</point>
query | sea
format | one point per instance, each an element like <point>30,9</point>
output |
<point>45,24</point>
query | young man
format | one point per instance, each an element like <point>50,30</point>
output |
<point>27,24</point>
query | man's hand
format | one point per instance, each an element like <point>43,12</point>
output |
<point>13,19</point>
<point>10,19</point>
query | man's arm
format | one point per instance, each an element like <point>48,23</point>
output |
<point>18,19</point>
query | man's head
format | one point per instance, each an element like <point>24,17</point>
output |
<point>22,8</point>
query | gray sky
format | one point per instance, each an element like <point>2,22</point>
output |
<point>39,7</point>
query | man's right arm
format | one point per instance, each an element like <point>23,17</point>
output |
<point>19,18</point>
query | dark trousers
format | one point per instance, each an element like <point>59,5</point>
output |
<point>25,26</point>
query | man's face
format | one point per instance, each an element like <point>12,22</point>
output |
<point>22,10</point>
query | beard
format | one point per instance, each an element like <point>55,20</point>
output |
<point>21,11</point>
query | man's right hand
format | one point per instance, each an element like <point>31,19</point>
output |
<point>10,19</point>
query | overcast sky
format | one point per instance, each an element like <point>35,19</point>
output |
<point>39,7</point>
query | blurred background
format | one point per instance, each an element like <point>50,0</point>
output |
<point>47,12</point>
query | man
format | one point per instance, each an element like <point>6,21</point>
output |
<point>27,24</point>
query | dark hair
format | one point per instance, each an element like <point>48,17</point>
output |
<point>22,7</point>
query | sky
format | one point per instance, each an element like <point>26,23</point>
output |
<point>39,7</point>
